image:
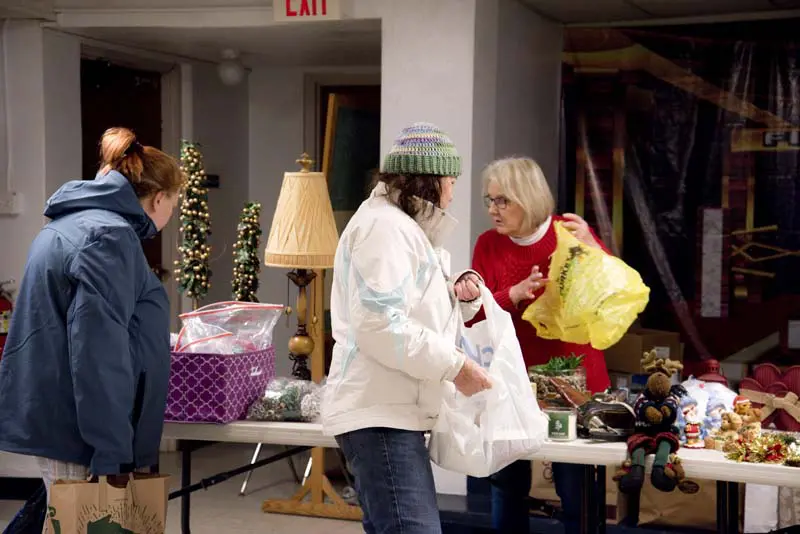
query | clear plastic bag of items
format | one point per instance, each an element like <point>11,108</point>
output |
<point>288,399</point>
<point>228,328</point>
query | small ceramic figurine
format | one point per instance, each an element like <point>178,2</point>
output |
<point>689,409</point>
<point>713,419</point>
<point>729,433</point>
<point>693,432</point>
<point>750,431</point>
<point>689,422</point>
<point>744,409</point>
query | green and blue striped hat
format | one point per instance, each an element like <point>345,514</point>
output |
<point>422,148</point>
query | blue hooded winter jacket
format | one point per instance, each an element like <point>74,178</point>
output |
<point>85,368</point>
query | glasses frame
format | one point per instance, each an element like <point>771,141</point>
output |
<point>500,202</point>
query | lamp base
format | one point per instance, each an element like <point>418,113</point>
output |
<point>300,368</point>
<point>301,345</point>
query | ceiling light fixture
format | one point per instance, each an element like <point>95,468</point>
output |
<point>230,69</point>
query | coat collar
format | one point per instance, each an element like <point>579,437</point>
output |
<point>434,221</point>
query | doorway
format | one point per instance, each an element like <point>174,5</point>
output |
<point>349,152</point>
<point>116,95</point>
<point>350,119</point>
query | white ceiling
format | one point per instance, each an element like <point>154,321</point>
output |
<point>566,11</point>
<point>349,42</point>
<point>600,11</point>
<point>26,9</point>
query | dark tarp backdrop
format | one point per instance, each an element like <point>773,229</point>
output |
<point>681,146</point>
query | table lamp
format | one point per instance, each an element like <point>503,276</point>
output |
<point>303,237</point>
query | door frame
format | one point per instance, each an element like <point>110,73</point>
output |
<point>312,94</point>
<point>175,125</point>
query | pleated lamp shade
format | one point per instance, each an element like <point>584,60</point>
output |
<point>303,233</point>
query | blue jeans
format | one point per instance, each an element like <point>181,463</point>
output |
<point>394,480</point>
<point>30,519</point>
<point>510,489</point>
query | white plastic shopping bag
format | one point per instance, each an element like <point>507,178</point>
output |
<point>482,434</point>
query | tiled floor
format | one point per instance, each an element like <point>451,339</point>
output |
<point>221,509</point>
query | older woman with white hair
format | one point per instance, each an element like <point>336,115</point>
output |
<point>513,258</point>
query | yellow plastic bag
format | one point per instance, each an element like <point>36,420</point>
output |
<point>592,297</point>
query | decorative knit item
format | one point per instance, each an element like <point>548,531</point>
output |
<point>422,148</point>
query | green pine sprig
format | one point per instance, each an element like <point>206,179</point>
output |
<point>558,365</point>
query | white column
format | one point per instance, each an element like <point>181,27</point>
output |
<point>25,116</point>
<point>528,82</point>
<point>488,73</point>
<point>62,108</point>
<point>428,75</point>
<point>517,93</point>
<point>42,93</point>
<point>43,122</point>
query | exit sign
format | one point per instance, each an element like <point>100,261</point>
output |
<point>306,10</point>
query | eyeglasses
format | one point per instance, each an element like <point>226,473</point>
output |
<point>500,202</point>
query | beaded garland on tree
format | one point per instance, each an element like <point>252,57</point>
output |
<point>246,262</point>
<point>193,273</point>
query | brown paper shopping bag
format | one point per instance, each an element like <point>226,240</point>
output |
<point>676,509</point>
<point>83,507</point>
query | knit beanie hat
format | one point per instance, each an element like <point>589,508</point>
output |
<point>422,148</point>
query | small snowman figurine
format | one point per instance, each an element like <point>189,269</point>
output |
<point>713,419</point>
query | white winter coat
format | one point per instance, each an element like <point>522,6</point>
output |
<point>394,318</point>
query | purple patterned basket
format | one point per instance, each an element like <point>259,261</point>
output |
<point>216,388</point>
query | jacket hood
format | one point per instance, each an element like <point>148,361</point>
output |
<point>110,192</point>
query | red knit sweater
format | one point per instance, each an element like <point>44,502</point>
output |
<point>503,264</point>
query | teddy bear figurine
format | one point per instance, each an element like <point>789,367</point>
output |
<point>750,432</point>
<point>744,409</point>
<point>656,430</point>
<point>730,426</point>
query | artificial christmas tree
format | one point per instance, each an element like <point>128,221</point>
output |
<point>193,273</point>
<point>246,262</point>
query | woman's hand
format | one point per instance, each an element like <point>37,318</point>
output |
<point>526,290</point>
<point>466,287</point>
<point>580,229</point>
<point>472,379</point>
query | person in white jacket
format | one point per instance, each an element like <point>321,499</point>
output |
<point>395,315</point>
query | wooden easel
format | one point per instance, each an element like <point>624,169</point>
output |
<point>317,486</point>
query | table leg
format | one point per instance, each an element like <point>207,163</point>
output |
<point>186,480</point>
<point>724,510</point>
<point>249,474</point>
<point>588,504</point>
<point>634,503</point>
<point>733,507</point>
<point>600,491</point>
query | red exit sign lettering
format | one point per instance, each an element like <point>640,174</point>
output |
<point>306,10</point>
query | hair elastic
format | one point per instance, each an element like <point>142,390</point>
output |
<point>134,148</point>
